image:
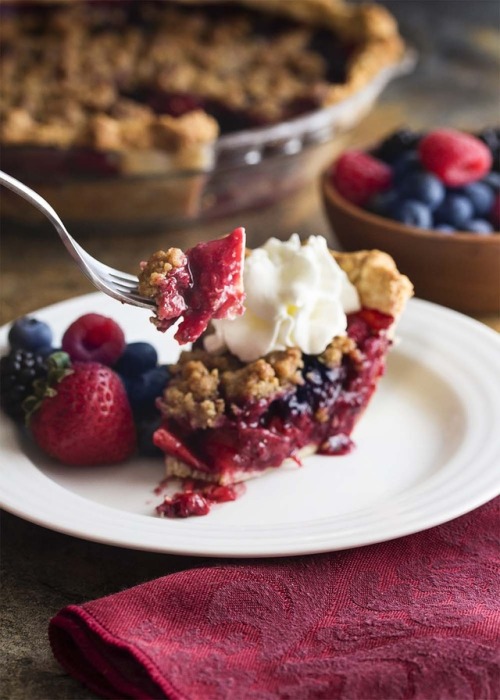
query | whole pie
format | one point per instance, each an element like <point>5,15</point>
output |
<point>289,376</point>
<point>169,76</point>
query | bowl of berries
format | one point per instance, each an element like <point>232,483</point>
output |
<point>432,201</point>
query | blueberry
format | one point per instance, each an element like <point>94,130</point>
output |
<point>28,333</point>
<point>456,210</point>
<point>480,226</point>
<point>407,163</point>
<point>481,197</point>
<point>492,179</point>
<point>445,228</point>
<point>143,390</point>
<point>397,143</point>
<point>383,203</point>
<point>413,213</point>
<point>136,359</point>
<point>423,187</point>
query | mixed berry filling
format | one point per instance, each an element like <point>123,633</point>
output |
<point>322,411</point>
<point>197,499</point>
<point>197,286</point>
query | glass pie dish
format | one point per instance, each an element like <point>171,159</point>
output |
<point>104,183</point>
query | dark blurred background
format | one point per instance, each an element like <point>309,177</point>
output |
<point>457,78</point>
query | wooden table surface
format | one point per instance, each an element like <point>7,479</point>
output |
<point>455,83</point>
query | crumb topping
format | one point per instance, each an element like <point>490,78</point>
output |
<point>340,346</point>
<point>152,273</point>
<point>193,395</point>
<point>264,377</point>
<point>86,74</point>
<point>204,386</point>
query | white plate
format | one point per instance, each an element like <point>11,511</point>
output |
<point>428,450</point>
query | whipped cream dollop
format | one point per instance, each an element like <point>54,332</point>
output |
<point>296,296</point>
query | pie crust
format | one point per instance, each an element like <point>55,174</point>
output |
<point>76,104</point>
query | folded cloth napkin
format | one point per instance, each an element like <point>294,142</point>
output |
<point>416,618</point>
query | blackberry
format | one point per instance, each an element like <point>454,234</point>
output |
<point>396,144</point>
<point>491,137</point>
<point>18,370</point>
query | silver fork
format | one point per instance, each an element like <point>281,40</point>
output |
<point>117,284</point>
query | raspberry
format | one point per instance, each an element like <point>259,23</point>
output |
<point>359,176</point>
<point>455,157</point>
<point>94,338</point>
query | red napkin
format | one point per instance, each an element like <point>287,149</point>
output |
<point>413,618</point>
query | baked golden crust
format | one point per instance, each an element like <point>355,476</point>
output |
<point>370,27</point>
<point>378,281</point>
<point>81,87</point>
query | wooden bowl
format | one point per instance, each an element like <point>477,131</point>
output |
<point>459,270</point>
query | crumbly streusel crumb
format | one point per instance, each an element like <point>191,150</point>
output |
<point>263,377</point>
<point>378,281</point>
<point>256,380</point>
<point>202,384</point>
<point>340,346</point>
<point>153,271</point>
<point>193,395</point>
<point>287,365</point>
<point>71,74</point>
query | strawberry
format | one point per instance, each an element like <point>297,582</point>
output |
<point>81,415</point>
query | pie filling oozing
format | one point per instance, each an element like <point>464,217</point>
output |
<point>319,410</point>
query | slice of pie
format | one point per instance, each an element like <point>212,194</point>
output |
<point>293,374</point>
